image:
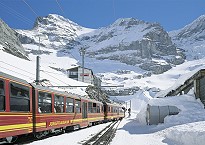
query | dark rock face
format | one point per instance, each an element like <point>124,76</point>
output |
<point>9,39</point>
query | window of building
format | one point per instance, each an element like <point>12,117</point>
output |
<point>2,96</point>
<point>90,104</point>
<point>69,105</point>
<point>77,106</point>
<point>44,102</point>
<point>59,104</point>
<point>73,73</point>
<point>19,97</point>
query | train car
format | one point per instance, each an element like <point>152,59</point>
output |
<point>54,111</point>
<point>95,112</point>
<point>15,107</point>
<point>113,111</point>
<point>28,108</point>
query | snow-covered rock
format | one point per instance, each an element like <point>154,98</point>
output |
<point>10,41</point>
<point>191,38</point>
<point>54,31</point>
<point>133,42</point>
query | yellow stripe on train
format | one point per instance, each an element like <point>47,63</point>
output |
<point>14,127</point>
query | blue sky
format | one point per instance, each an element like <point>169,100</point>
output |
<point>171,14</point>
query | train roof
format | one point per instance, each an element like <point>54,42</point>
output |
<point>56,91</point>
<point>7,76</point>
<point>91,100</point>
<point>114,104</point>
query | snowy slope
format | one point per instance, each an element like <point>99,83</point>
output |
<point>191,38</point>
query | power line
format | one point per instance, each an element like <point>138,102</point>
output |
<point>15,13</point>
<point>54,77</point>
<point>60,7</point>
<point>30,8</point>
<point>52,72</point>
<point>17,73</point>
<point>114,11</point>
<point>64,15</point>
<point>17,67</point>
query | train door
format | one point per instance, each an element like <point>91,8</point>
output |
<point>84,110</point>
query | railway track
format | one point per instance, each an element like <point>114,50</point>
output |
<point>104,136</point>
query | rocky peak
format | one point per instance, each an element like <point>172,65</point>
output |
<point>53,19</point>
<point>192,31</point>
<point>127,22</point>
<point>58,30</point>
<point>10,41</point>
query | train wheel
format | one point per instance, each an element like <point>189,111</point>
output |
<point>39,135</point>
<point>11,139</point>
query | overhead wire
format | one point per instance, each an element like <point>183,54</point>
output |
<point>53,77</point>
<point>63,12</point>
<point>18,73</point>
<point>30,7</point>
<point>17,67</point>
<point>15,13</point>
<point>64,15</point>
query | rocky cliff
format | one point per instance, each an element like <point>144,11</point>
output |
<point>10,41</point>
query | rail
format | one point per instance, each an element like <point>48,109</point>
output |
<point>104,136</point>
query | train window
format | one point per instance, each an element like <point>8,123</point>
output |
<point>77,106</point>
<point>19,97</point>
<point>2,96</point>
<point>109,108</point>
<point>69,105</point>
<point>94,108</point>
<point>112,109</point>
<point>98,108</point>
<point>90,107</point>
<point>102,108</point>
<point>59,104</point>
<point>44,102</point>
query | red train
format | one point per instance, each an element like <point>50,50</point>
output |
<point>27,108</point>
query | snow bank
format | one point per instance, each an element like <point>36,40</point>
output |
<point>187,134</point>
<point>191,110</point>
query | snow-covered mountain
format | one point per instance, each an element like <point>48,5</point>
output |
<point>133,42</point>
<point>129,41</point>
<point>54,31</point>
<point>191,38</point>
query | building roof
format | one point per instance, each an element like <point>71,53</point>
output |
<point>182,83</point>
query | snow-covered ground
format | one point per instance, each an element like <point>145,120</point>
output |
<point>186,128</point>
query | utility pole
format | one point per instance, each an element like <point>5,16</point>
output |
<point>83,55</point>
<point>38,61</point>
<point>39,44</point>
<point>37,70</point>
